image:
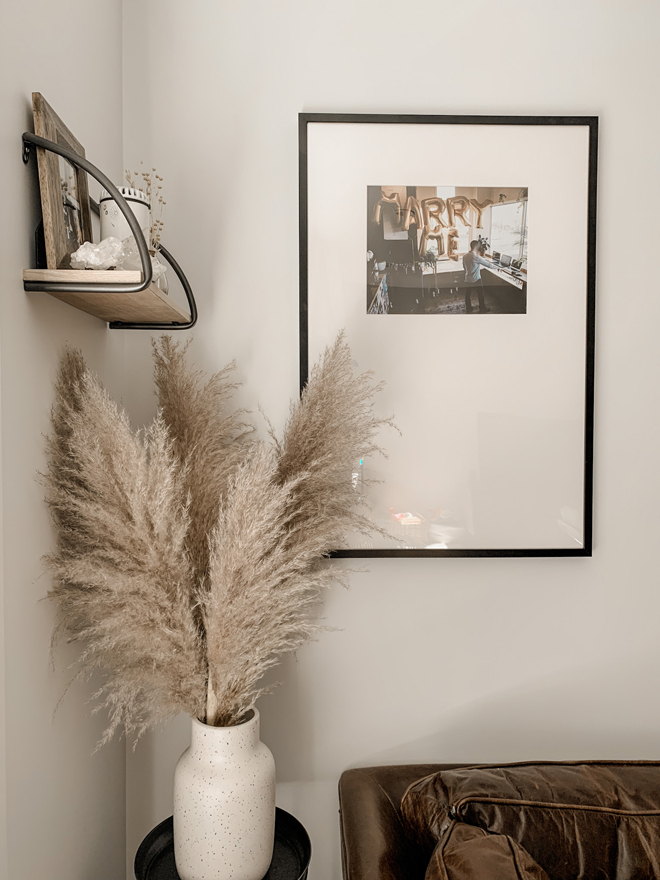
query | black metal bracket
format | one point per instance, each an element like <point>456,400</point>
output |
<point>32,140</point>
<point>192,305</point>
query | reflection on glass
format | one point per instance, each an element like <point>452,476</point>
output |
<point>509,229</point>
<point>527,489</point>
<point>70,205</point>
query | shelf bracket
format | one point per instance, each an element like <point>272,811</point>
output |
<point>32,140</point>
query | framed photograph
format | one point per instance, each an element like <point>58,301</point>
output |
<point>458,253</point>
<point>64,194</point>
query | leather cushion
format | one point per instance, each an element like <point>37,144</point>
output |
<point>375,842</point>
<point>468,853</point>
<point>578,821</point>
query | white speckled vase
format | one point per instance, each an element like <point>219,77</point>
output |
<point>224,804</point>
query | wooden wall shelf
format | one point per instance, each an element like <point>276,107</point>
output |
<point>149,306</point>
<point>96,292</point>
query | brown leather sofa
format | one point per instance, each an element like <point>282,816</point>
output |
<point>557,820</point>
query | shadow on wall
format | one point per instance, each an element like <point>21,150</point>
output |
<point>286,722</point>
<point>149,780</point>
<point>568,716</point>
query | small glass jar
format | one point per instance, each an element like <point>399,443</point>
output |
<point>161,281</point>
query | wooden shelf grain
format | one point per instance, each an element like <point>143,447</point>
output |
<point>148,306</point>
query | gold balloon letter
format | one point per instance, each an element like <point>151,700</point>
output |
<point>456,208</point>
<point>393,200</point>
<point>479,209</point>
<point>412,208</point>
<point>433,209</point>
<point>452,244</point>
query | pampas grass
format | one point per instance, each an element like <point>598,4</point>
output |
<point>190,556</point>
<point>209,441</point>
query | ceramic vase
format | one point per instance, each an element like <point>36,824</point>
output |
<point>224,803</point>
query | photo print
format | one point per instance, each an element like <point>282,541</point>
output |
<point>72,215</point>
<point>446,250</point>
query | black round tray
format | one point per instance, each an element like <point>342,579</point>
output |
<point>154,859</point>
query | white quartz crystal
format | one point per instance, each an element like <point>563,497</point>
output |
<point>111,253</point>
<point>130,259</point>
<point>104,255</point>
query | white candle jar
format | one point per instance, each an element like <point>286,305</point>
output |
<point>113,222</point>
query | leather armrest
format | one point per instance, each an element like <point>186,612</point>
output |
<point>375,845</point>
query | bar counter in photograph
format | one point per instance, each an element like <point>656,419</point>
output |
<point>416,288</point>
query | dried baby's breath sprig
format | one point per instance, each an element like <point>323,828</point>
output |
<point>151,184</point>
<point>190,557</point>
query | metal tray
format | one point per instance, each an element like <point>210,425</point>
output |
<point>154,859</point>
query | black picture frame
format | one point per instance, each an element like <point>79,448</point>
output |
<point>591,123</point>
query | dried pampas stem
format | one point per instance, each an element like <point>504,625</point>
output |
<point>211,702</point>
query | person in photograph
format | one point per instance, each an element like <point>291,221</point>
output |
<point>472,262</point>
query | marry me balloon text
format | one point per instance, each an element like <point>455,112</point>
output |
<point>436,218</point>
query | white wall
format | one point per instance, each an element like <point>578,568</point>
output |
<point>445,660</point>
<point>65,806</point>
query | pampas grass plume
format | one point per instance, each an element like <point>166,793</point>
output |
<point>190,556</point>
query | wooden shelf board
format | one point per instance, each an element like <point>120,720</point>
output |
<point>83,276</point>
<point>148,306</point>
